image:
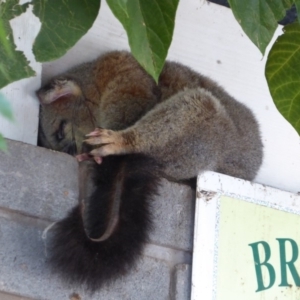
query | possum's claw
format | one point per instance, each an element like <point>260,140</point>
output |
<point>108,142</point>
<point>101,136</point>
<point>95,132</point>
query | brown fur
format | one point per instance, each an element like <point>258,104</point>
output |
<point>181,126</point>
<point>187,122</point>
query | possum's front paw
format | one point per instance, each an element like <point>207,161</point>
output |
<point>109,142</point>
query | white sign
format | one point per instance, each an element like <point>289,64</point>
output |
<point>247,240</point>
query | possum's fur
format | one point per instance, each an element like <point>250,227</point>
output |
<point>175,129</point>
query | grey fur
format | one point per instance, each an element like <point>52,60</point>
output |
<point>187,122</point>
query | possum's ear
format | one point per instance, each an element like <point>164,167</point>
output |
<point>58,88</point>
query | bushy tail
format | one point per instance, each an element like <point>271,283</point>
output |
<point>117,212</point>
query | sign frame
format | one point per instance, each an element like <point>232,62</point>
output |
<point>211,187</point>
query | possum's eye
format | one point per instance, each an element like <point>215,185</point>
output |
<point>60,82</point>
<point>60,133</point>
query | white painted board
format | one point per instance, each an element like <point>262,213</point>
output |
<point>209,39</point>
<point>206,38</point>
<point>21,94</point>
<point>246,241</point>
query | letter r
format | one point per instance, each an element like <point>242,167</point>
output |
<point>284,263</point>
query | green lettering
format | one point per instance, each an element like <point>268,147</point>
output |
<point>290,264</point>
<point>258,265</point>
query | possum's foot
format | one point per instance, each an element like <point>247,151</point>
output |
<point>109,142</point>
<point>87,156</point>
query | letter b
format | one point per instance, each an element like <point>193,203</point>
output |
<point>259,264</point>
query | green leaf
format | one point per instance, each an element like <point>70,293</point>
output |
<point>149,26</point>
<point>259,18</point>
<point>3,146</point>
<point>297,4</point>
<point>283,74</point>
<point>13,63</point>
<point>63,24</point>
<point>5,108</point>
<point>3,41</point>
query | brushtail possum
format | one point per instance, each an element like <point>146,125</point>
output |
<point>136,131</point>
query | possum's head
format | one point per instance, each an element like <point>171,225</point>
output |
<point>66,115</point>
